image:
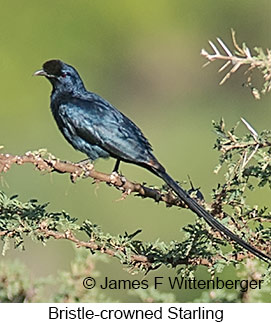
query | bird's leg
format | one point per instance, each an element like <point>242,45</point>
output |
<point>116,167</point>
<point>115,173</point>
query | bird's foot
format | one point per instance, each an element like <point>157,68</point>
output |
<point>114,180</point>
<point>114,177</point>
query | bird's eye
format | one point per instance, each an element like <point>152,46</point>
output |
<point>65,74</point>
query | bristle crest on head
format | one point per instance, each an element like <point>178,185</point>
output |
<point>53,67</point>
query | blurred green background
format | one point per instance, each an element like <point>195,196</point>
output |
<point>144,57</point>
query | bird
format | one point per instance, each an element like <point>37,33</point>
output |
<point>95,127</point>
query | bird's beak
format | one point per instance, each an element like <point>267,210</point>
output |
<point>40,73</point>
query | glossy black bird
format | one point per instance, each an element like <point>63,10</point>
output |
<point>95,127</point>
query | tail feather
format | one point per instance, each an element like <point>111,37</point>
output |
<point>200,211</point>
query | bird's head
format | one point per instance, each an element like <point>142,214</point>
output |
<point>62,76</point>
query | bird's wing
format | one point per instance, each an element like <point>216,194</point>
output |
<point>99,123</point>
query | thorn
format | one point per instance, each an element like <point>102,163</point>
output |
<point>191,184</point>
<point>214,47</point>
<point>251,129</point>
<point>235,67</point>
<point>227,51</point>
<point>224,66</point>
<point>247,52</point>
<point>225,78</point>
<point>206,64</point>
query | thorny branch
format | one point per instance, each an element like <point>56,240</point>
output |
<point>51,164</point>
<point>233,144</point>
<point>92,245</point>
<point>136,259</point>
<point>77,170</point>
<point>240,57</point>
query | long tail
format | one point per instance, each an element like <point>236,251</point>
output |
<point>200,211</point>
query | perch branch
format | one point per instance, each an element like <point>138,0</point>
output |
<point>77,170</point>
<point>51,164</point>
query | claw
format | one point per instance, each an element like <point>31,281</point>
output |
<point>113,177</point>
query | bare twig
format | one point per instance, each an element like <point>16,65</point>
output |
<point>242,56</point>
